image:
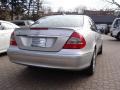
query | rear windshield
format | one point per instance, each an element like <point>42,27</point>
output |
<point>19,23</point>
<point>60,21</point>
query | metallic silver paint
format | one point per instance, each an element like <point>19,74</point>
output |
<point>61,60</point>
<point>55,56</point>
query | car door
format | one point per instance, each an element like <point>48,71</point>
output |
<point>98,36</point>
<point>116,27</point>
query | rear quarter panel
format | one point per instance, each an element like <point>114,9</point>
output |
<point>89,37</point>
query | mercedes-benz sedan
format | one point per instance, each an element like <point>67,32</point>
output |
<point>69,42</point>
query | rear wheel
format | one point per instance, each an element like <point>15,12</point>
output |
<point>91,68</point>
<point>101,50</point>
<point>111,34</point>
<point>118,36</point>
<point>106,32</point>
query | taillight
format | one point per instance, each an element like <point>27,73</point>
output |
<point>76,41</point>
<point>12,40</point>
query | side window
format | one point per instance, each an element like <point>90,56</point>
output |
<point>117,23</point>
<point>93,26</point>
<point>19,23</point>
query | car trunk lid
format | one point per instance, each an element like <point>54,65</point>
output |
<point>42,39</point>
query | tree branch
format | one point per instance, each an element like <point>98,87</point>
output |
<point>109,1</point>
<point>113,2</point>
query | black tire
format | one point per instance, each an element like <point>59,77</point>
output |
<point>101,50</point>
<point>106,32</point>
<point>118,36</point>
<point>91,68</point>
<point>111,34</point>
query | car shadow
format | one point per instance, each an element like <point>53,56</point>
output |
<point>3,54</point>
<point>50,76</point>
<point>114,40</point>
<point>111,39</point>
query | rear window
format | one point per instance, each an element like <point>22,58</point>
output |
<point>60,21</point>
<point>19,23</point>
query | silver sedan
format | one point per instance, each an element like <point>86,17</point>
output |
<point>69,42</point>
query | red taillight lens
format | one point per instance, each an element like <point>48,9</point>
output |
<point>76,41</point>
<point>12,40</point>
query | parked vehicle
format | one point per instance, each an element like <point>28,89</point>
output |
<point>115,29</point>
<point>60,41</point>
<point>23,23</point>
<point>103,27</point>
<point>6,29</point>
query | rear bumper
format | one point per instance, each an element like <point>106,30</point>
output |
<point>57,60</point>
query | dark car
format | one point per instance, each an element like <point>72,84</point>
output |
<point>103,27</point>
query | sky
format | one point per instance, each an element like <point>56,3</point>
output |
<point>70,4</point>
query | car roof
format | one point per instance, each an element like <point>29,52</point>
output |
<point>8,23</point>
<point>4,21</point>
<point>117,18</point>
<point>67,15</point>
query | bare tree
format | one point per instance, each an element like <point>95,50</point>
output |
<point>113,2</point>
<point>29,5</point>
<point>47,10</point>
<point>60,10</point>
<point>80,9</point>
<point>107,9</point>
<point>39,7</point>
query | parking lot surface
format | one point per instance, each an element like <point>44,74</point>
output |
<point>106,77</point>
